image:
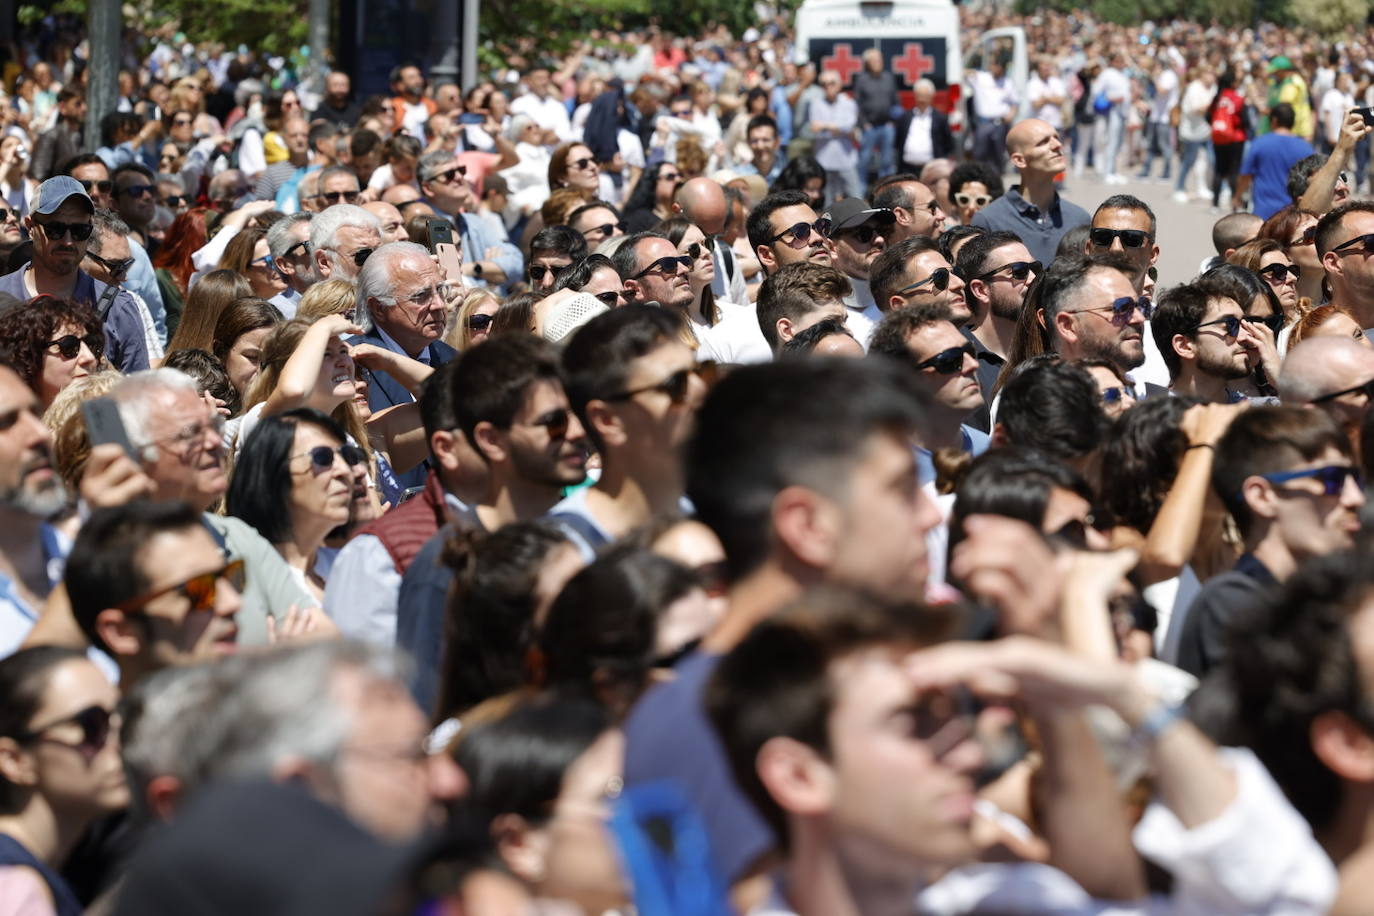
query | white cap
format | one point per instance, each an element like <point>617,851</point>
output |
<point>567,315</point>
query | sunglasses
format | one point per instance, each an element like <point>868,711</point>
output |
<point>267,262</point>
<point>1365,243</point>
<point>606,230</point>
<point>1230,322</point>
<point>1123,308</point>
<point>360,256</point>
<point>56,231</point>
<point>674,386</point>
<point>1332,477</point>
<point>948,362</point>
<point>116,268</point>
<point>978,200</point>
<point>334,197</point>
<point>199,590</point>
<point>556,421</point>
<point>1364,388</point>
<point>1017,270</point>
<point>7,215</point>
<point>69,346</point>
<point>939,280</point>
<point>610,298</point>
<point>322,457</point>
<point>136,190</point>
<point>714,578</point>
<point>1275,273</point>
<point>1117,395</point>
<point>479,322</point>
<point>1308,237</point>
<point>291,252</point>
<point>695,249</point>
<point>1130,238</point>
<point>186,122</point>
<point>104,187</point>
<point>666,266</point>
<point>539,271</point>
<point>175,200</point>
<point>802,231</point>
<point>1274,322</point>
<point>669,176</point>
<point>580,164</point>
<point>94,722</point>
<point>870,230</point>
<point>1074,532</point>
<point>450,176</point>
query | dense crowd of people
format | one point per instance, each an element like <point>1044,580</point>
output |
<point>672,480</point>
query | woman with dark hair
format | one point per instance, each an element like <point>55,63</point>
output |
<point>172,263</point>
<point>574,166</point>
<point>704,312</point>
<point>1270,260</point>
<point>52,342</point>
<point>503,583</point>
<point>60,771</point>
<point>248,254</point>
<point>594,274</point>
<point>207,300</point>
<point>651,200</point>
<point>1227,116</point>
<point>516,315</point>
<point>293,483</point>
<point>1296,231</point>
<point>803,174</point>
<point>238,338</point>
<point>629,612</point>
<point>541,772</point>
<point>972,186</point>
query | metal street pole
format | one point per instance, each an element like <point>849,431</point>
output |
<point>319,43</point>
<point>102,80</point>
<point>471,14</point>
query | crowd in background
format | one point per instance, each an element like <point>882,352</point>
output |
<point>670,479</point>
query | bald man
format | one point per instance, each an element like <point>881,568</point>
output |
<point>702,201</point>
<point>1334,374</point>
<point>1033,209</point>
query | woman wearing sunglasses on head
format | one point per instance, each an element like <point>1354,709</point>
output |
<point>59,771</point>
<point>972,186</point>
<point>294,482</point>
<point>52,343</point>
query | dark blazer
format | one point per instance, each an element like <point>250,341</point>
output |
<point>941,139</point>
<point>383,391</point>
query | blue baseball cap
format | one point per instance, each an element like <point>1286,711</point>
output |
<point>54,192</point>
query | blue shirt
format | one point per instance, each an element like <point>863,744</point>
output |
<point>1040,231</point>
<point>976,443</point>
<point>1268,159</point>
<point>125,343</point>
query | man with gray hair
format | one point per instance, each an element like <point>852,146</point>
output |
<point>288,240</point>
<point>923,134</point>
<point>342,237</point>
<point>336,718</point>
<point>109,257</point>
<point>488,260</point>
<point>1332,374</point>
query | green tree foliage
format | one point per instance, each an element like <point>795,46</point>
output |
<point>1328,17</point>
<point>273,26</point>
<point>1128,12</point>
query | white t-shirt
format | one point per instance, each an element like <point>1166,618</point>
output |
<point>1193,126</point>
<point>1050,112</point>
<point>1334,106</point>
<point>1166,95</point>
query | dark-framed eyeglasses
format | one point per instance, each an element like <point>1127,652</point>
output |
<point>449,176</point>
<point>1230,322</point>
<point>1275,273</point>
<point>674,386</point>
<point>69,345</point>
<point>199,590</point>
<point>136,190</point>
<point>479,321</point>
<point>1130,238</point>
<point>1274,322</point>
<point>872,229</point>
<point>606,230</point>
<point>116,268</point>
<point>95,725</point>
<point>56,231</point>
<point>539,271</point>
<point>1332,477</point>
<point>948,362</point>
<point>1123,308</point>
<point>978,200</point>
<point>801,232</point>
<point>938,280</point>
<point>1016,270</point>
<point>1308,237</point>
<point>668,266</point>
<point>322,456</point>
<point>104,187</point>
<point>334,197</point>
<point>1364,388</point>
<point>610,298</point>
<point>1365,243</point>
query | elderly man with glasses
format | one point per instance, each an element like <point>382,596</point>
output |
<point>342,238</point>
<point>491,261</point>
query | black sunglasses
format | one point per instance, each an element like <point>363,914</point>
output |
<point>175,200</point>
<point>1364,388</point>
<point>103,187</point>
<point>1308,237</point>
<point>6,215</point>
<point>479,322</point>
<point>94,722</point>
<point>183,122</point>
<point>322,456</point>
<point>1130,238</point>
<point>1332,477</point>
<point>69,345</point>
<point>674,386</point>
<point>1017,270</point>
<point>55,230</point>
<point>116,268</point>
<point>1275,273</point>
<point>939,279</point>
<point>668,266</point>
<point>360,256</point>
<point>580,164</point>
<point>556,421</point>
<point>1123,308</point>
<point>136,190</point>
<point>1116,395</point>
<point>948,362</point>
<point>610,298</point>
<point>334,197</point>
<point>870,230</point>
<point>451,175</point>
<point>1231,323</point>
<point>1366,243</point>
<point>539,271</point>
<point>1273,322</point>
<point>802,231</point>
<point>606,230</point>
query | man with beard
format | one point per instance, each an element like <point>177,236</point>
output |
<point>997,269</point>
<point>859,235</point>
<point>653,271</point>
<point>1092,309</point>
<point>411,107</point>
<point>30,493</point>
<point>1203,339</point>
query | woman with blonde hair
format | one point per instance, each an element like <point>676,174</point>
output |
<point>473,319</point>
<point>330,297</point>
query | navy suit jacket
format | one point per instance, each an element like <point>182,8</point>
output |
<point>383,391</point>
